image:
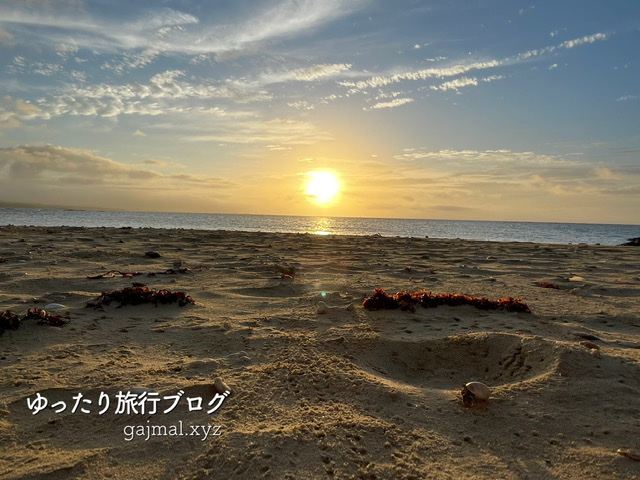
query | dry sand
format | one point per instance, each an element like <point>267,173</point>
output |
<point>348,393</point>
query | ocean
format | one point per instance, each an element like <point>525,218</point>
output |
<point>538,232</point>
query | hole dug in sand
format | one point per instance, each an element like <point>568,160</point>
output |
<point>497,359</point>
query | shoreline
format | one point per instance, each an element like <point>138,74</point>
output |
<point>541,232</point>
<point>319,385</point>
<point>199,231</point>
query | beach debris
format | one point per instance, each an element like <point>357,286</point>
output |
<point>9,320</point>
<point>137,295</point>
<point>322,307</point>
<point>633,455</point>
<point>286,270</point>
<point>46,318</point>
<point>220,386</point>
<point>475,394</point>
<point>633,242</point>
<point>114,273</point>
<point>406,300</point>
<point>548,285</point>
<point>576,278</point>
<point>590,345</point>
<point>170,271</point>
<point>151,254</point>
<point>174,271</point>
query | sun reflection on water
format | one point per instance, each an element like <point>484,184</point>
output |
<point>322,226</point>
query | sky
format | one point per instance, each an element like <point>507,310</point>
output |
<point>440,109</point>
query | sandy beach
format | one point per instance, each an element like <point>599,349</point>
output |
<point>319,386</point>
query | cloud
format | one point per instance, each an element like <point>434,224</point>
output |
<point>304,74</point>
<point>498,158</point>
<point>423,74</point>
<point>131,60</point>
<point>275,131</point>
<point>31,162</point>
<point>626,98</point>
<point>168,30</point>
<point>51,174</point>
<point>5,37</point>
<point>498,184</point>
<point>66,50</point>
<point>48,164</point>
<point>12,111</point>
<point>462,82</point>
<point>604,173</point>
<point>511,170</point>
<point>317,71</point>
<point>283,18</point>
<point>581,41</point>
<point>396,102</point>
<point>164,93</point>
<point>456,84</point>
<point>377,81</point>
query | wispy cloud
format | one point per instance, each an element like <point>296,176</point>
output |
<point>626,98</point>
<point>396,102</point>
<point>318,71</point>
<point>169,30</point>
<point>303,74</point>
<point>275,131</point>
<point>456,84</point>
<point>453,70</point>
<point>581,41</point>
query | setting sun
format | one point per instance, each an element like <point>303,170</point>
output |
<point>322,186</point>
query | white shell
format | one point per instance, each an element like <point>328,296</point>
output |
<point>479,390</point>
<point>221,387</point>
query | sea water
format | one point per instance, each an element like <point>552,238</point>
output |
<point>538,232</point>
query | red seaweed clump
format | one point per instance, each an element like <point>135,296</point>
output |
<point>9,320</point>
<point>406,300</point>
<point>548,285</point>
<point>380,300</point>
<point>46,318</point>
<point>140,294</point>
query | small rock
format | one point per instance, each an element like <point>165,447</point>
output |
<point>151,254</point>
<point>322,307</point>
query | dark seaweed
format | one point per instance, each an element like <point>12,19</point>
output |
<point>137,295</point>
<point>9,320</point>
